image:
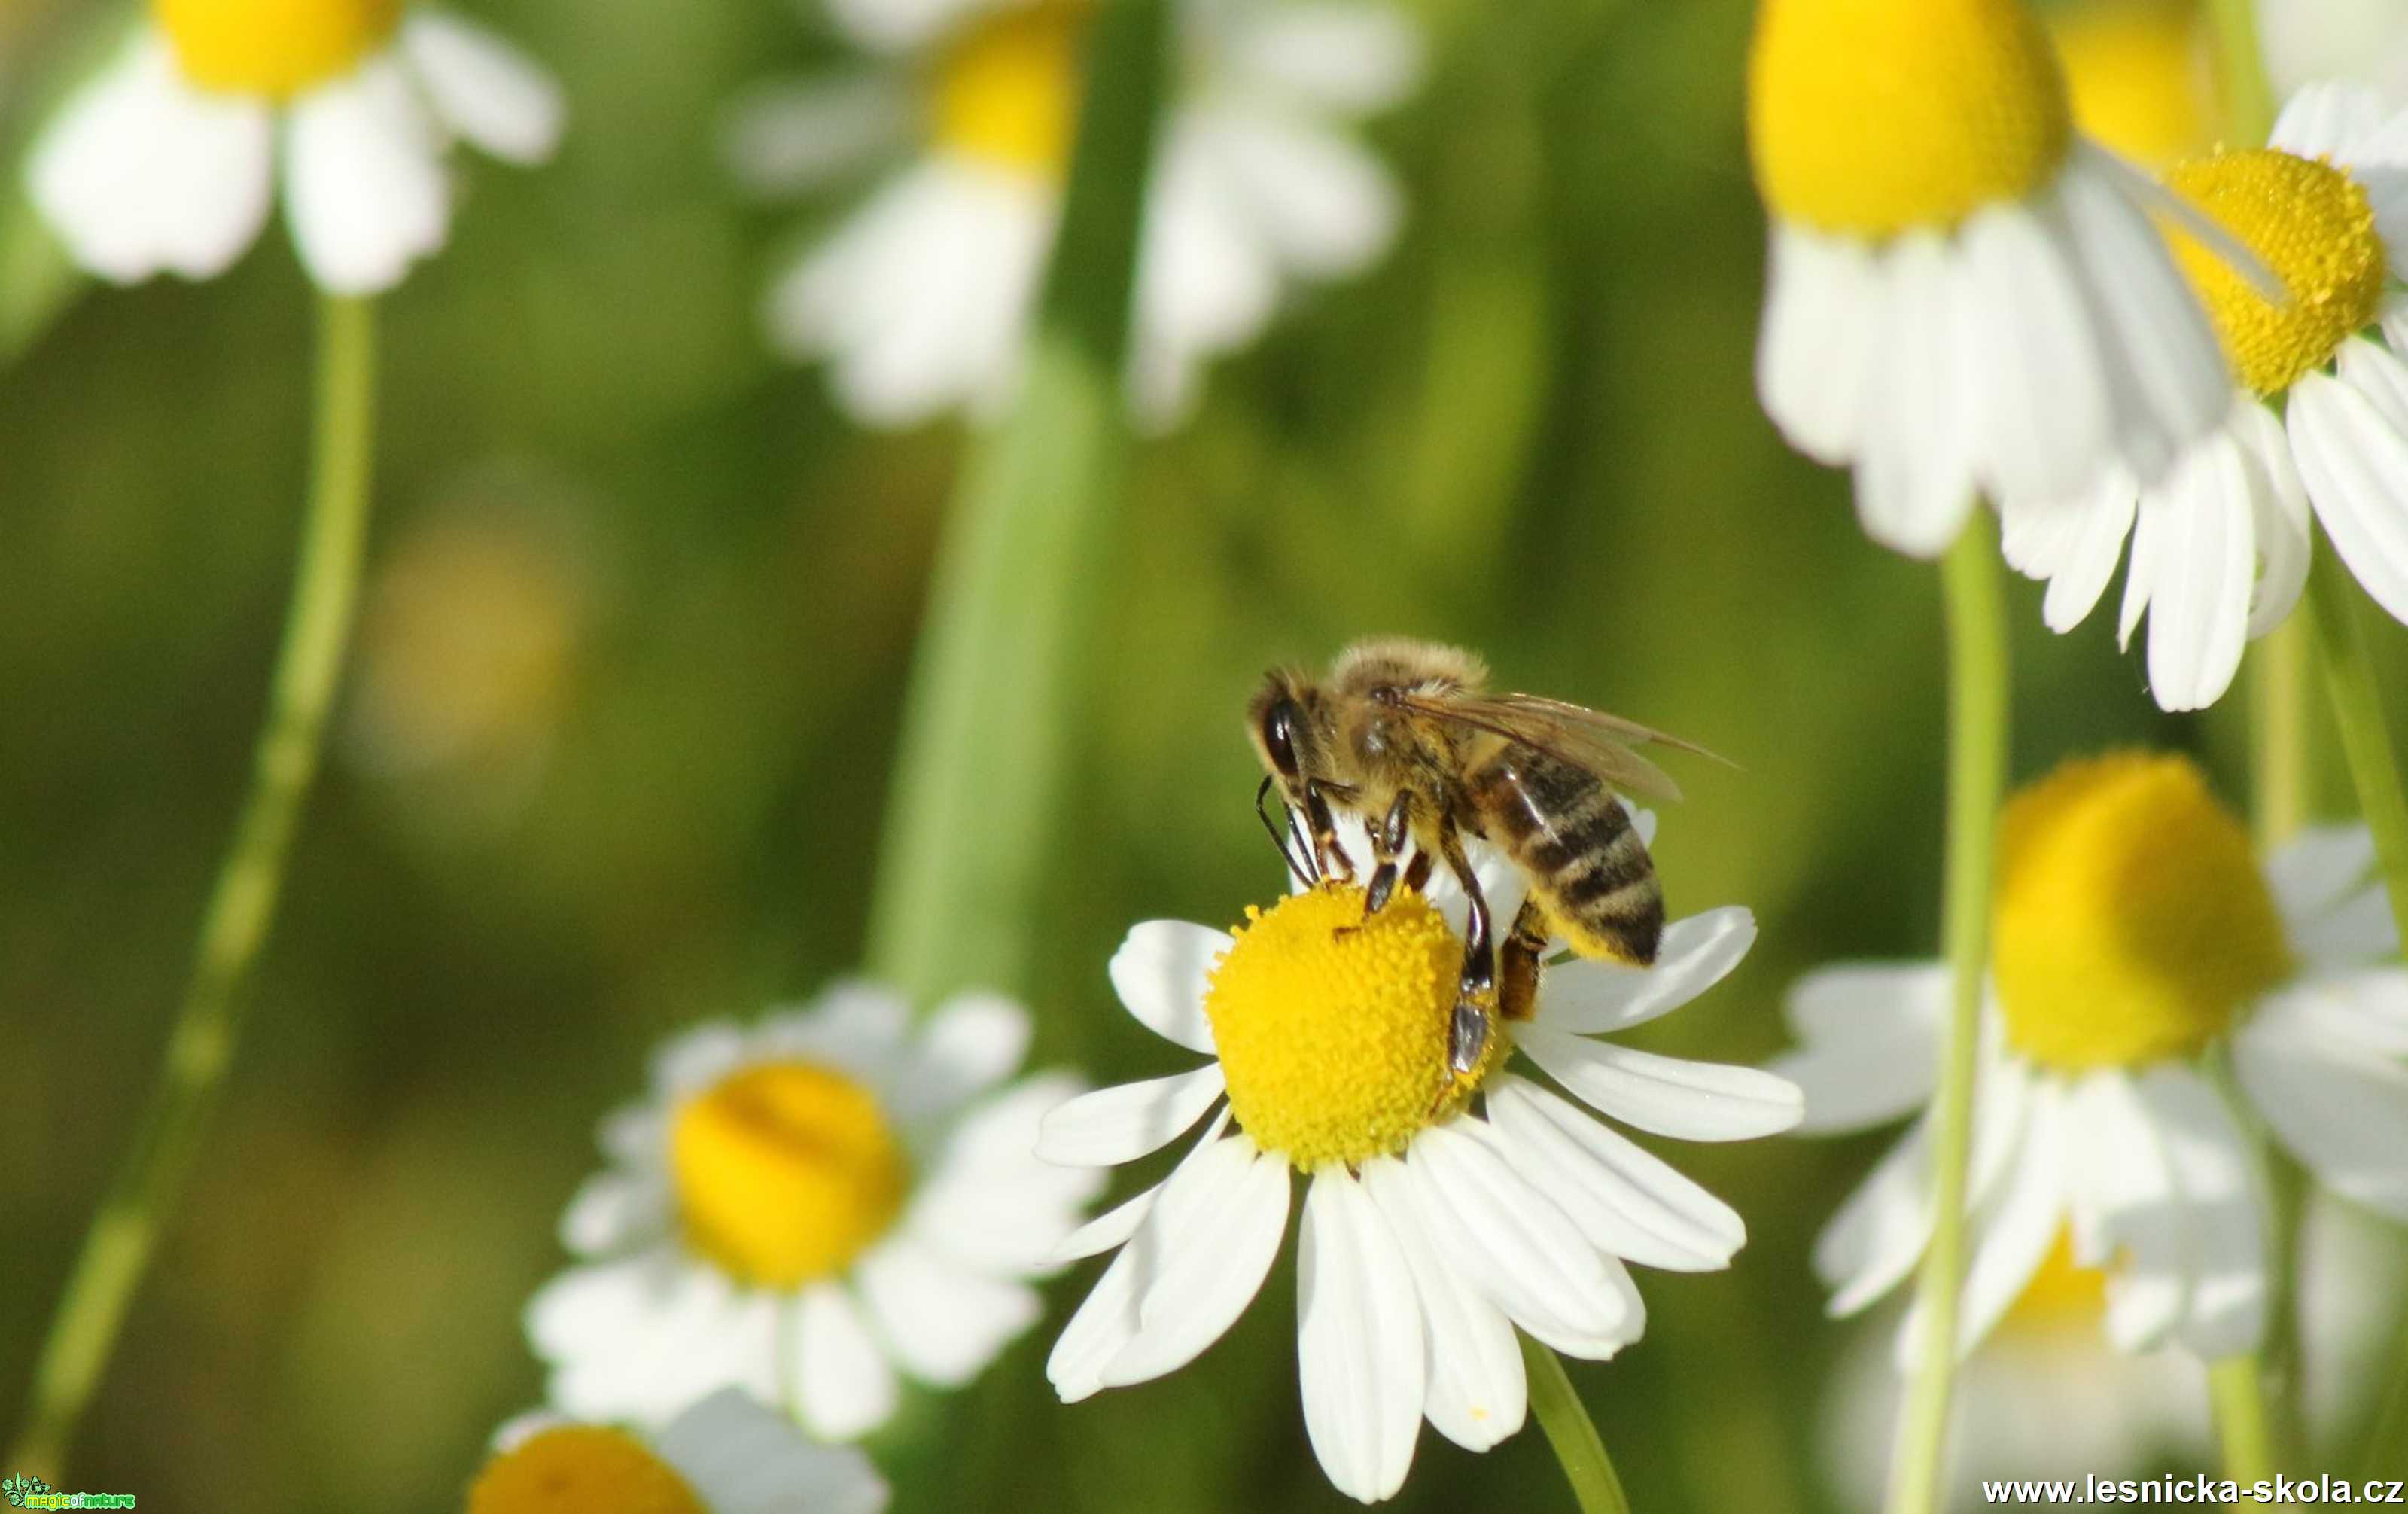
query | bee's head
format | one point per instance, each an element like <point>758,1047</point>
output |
<point>1279,720</point>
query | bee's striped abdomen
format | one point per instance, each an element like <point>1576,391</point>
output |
<point>1586,861</point>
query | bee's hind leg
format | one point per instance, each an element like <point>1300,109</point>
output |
<point>1388,839</point>
<point>1517,962</point>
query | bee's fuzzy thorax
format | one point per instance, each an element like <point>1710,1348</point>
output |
<point>1401,662</point>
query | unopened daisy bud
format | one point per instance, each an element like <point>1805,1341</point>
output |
<point>725,1455</point>
<point>167,162</point>
<point>2135,935</point>
<point>1964,294</point>
<point>2317,422</point>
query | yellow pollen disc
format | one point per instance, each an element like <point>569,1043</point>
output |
<point>2308,221</point>
<point>272,47</point>
<point>580,1470</point>
<point>1007,92</point>
<point>1874,116</point>
<point>786,1172</point>
<point>2062,1293</point>
<point>1332,1029</point>
<point>2141,76</point>
<point>2132,923</point>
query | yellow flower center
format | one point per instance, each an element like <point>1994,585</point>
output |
<point>786,1172</point>
<point>1332,1028</point>
<point>1874,116</point>
<point>2132,923</point>
<point>2062,1294</point>
<point>2140,75</point>
<point>2308,221</point>
<point>580,1470</point>
<point>272,47</point>
<point>1007,92</point>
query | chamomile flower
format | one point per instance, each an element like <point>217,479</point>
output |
<point>725,1455</point>
<point>2314,41</point>
<point>1429,1231</point>
<point>918,300</point>
<point>166,161</point>
<point>803,1208</point>
<point>2140,75</point>
<point>2136,941</point>
<point>2318,424</point>
<point>1964,294</point>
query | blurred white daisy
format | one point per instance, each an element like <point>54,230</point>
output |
<point>802,1208</point>
<point>725,1455</point>
<point>2046,1396</point>
<point>165,160</point>
<point>1430,1231</point>
<point>2314,41</point>
<point>2319,422</point>
<point>918,299</point>
<point>1964,294</point>
<point>2134,936</point>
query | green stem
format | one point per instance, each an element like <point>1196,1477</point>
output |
<point>1977,771</point>
<point>2244,1421</point>
<point>241,906</point>
<point>2279,761</point>
<point>994,689</point>
<point>1571,1433</point>
<point>2358,708</point>
<point>2248,100</point>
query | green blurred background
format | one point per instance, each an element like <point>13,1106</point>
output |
<point>612,756</point>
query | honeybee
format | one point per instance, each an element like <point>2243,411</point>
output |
<point>1406,735</point>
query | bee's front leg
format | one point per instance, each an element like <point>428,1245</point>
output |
<point>1388,840</point>
<point>1329,854</point>
<point>1475,998</point>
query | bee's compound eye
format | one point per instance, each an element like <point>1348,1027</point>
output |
<point>1279,736</point>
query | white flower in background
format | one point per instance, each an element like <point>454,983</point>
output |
<point>725,1455</point>
<point>1429,1233</point>
<point>2134,933</point>
<point>2046,1396</point>
<point>1964,295</point>
<point>2359,41</point>
<point>802,1208</point>
<point>919,298</point>
<point>167,159</point>
<point>2320,424</point>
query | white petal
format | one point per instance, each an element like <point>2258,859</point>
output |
<point>989,1201</point>
<point>1668,1095</point>
<point>2092,553</point>
<point>1916,464</point>
<point>1325,204</point>
<point>1822,313</point>
<point>1106,1231</point>
<point>1626,1200</point>
<point>742,1459</point>
<point>641,1337</point>
<point>843,1386</point>
<point>2365,1009</point>
<point>1873,1241</point>
<point>1872,1047</point>
<point>139,173</point>
<point>1350,59</point>
<point>2341,1112</point>
<point>945,1322</point>
<point>697,1058</point>
<point>860,1027</point>
<point>971,1043</point>
<point>890,25</point>
<point>1202,1254</point>
<point>613,1210</point>
<point>1861,1000</point>
<point>2046,416</point>
<point>365,188</point>
<point>1106,1319</point>
<point>1360,1351</point>
<point>1114,1125</point>
<point>1206,281</point>
<point>1162,973</point>
<point>2020,1227</point>
<point>2222,1208</point>
<point>2318,868</point>
<point>790,138</point>
<point>2355,466</point>
<point>2126,1210</point>
<point>1696,953</point>
<point>2281,503</point>
<point>2206,569</point>
<point>1519,1249</point>
<point>2327,120</point>
<point>483,88</point>
<point>1477,1395</point>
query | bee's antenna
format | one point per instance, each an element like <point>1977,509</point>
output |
<point>1287,854</point>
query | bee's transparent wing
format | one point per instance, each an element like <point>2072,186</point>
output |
<point>1572,733</point>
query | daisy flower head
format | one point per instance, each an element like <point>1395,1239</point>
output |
<point>2135,937</point>
<point>1964,294</point>
<point>2317,424</point>
<point>1431,1228</point>
<point>918,299</point>
<point>166,160</point>
<point>2140,75</point>
<point>803,1208</point>
<point>725,1455</point>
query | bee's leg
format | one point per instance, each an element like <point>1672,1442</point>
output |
<point>1475,994</point>
<point>1387,840</point>
<point>1517,962</point>
<point>1417,873</point>
<point>1328,855</point>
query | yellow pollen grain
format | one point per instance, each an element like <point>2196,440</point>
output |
<point>1007,92</point>
<point>2132,922</point>
<point>2141,76</point>
<point>2310,223</point>
<point>2062,1294</point>
<point>1876,117</point>
<point>580,1470</point>
<point>786,1172</point>
<point>276,47</point>
<point>1332,1029</point>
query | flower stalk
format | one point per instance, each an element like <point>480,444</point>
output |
<point>1978,693</point>
<point>242,904</point>
<point>1571,1433</point>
